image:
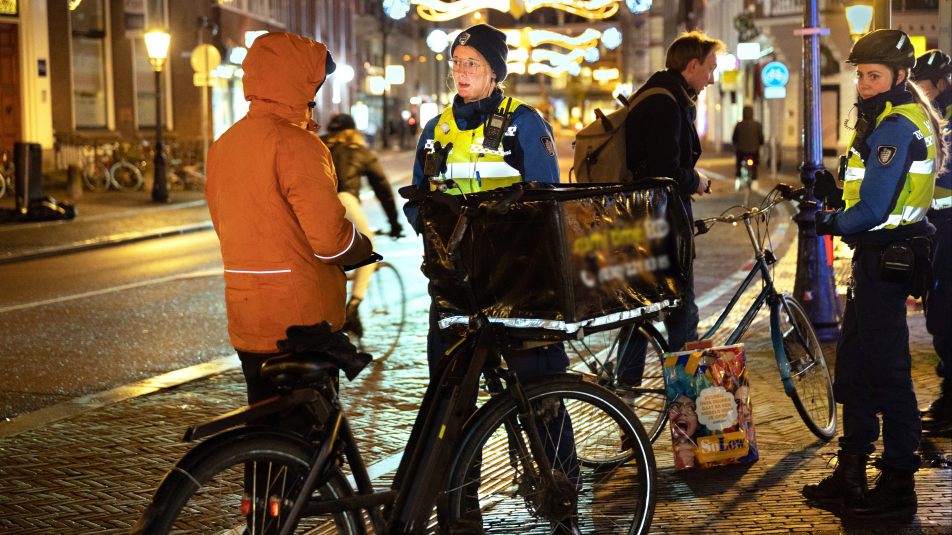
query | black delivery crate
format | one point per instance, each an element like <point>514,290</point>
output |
<point>565,258</point>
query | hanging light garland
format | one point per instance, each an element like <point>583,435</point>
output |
<point>590,9</point>
<point>586,40</point>
<point>437,10</point>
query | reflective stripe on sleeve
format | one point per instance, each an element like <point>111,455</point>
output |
<point>854,173</point>
<point>940,204</point>
<point>258,272</point>
<point>922,167</point>
<point>349,245</point>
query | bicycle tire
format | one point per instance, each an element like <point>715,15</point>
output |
<point>3,186</point>
<point>125,176</point>
<point>382,315</point>
<point>651,402</point>
<point>208,500</point>
<point>96,177</point>
<point>619,499</point>
<point>812,393</point>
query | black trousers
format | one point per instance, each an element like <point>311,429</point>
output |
<point>873,372</point>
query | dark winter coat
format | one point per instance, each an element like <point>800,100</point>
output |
<point>354,160</point>
<point>662,140</point>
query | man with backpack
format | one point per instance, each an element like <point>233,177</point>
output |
<point>661,140</point>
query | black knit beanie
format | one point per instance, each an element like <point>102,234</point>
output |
<point>489,42</point>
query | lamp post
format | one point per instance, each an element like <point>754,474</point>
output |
<point>814,285</point>
<point>157,43</point>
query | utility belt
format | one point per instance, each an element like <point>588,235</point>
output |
<point>904,261</point>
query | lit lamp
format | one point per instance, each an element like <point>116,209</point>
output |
<point>859,18</point>
<point>158,45</point>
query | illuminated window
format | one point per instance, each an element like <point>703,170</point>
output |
<point>89,64</point>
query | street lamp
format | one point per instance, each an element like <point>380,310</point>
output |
<point>859,18</point>
<point>157,43</point>
<point>814,285</point>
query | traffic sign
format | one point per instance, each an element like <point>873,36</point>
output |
<point>775,74</point>
<point>205,58</point>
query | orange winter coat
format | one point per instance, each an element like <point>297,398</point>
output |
<point>272,194</point>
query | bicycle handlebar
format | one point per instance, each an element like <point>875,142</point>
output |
<point>786,193</point>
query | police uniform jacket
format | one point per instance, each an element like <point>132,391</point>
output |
<point>662,140</point>
<point>528,145</point>
<point>894,151</point>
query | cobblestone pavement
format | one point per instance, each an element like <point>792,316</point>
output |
<point>96,471</point>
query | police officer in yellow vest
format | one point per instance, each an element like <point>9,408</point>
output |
<point>525,153</point>
<point>933,72</point>
<point>889,181</point>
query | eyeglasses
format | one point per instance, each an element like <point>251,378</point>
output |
<point>466,66</point>
<point>677,407</point>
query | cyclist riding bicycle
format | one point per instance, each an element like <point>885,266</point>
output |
<point>352,160</point>
<point>748,137</point>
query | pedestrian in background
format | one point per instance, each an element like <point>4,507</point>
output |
<point>889,183</point>
<point>748,137</point>
<point>932,73</point>
<point>662,141</point>
<point>272,195</point>
<point>353,160</point>
<point>525,153</point>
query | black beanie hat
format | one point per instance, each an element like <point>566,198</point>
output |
<point>341,121</point>
<point>489,42</point>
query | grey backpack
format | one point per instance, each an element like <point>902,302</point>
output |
<point>600,147</point>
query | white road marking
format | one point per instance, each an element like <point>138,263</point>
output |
<point>190,275</point>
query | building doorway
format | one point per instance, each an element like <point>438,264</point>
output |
<point>10,125</point>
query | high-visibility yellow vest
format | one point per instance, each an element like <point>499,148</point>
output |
<point>469,157</point>
<point>942,198</point>
<point>916,195</point>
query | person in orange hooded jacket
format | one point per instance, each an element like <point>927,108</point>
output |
<point>272,194</point>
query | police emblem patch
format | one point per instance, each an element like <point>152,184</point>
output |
<point>549,145</point>
<point>885,154</point>
<point>463,37</point>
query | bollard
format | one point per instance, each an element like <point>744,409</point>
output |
<point>74,182</point>
<point>28,161</point>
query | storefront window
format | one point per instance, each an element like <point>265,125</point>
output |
<point>89,65</point>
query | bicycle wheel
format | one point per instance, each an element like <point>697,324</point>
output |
<point>3,185</point>
<point>492,483</point>
<point>383,311</point>
<point>812,386</point>
<point>209,500</point>
<point>96,176</point>
<point>598,354</point>
<point>125,176</point>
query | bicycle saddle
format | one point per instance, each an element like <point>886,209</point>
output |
<point>304,367</point>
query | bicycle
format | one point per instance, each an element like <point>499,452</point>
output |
<point>747,179</point>
<point>105,165</point>
<point>7,174</point>
<point>485,468</point>
<point>184,173</point>
<point>803,369</point>
<point>384,316</point>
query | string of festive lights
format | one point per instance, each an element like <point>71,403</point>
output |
<point>591,9</point>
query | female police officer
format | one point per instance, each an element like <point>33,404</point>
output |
<point>480,161</point>
<point>889,181</point>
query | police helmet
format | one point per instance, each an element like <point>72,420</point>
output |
<point>885,47</point>
<point>932,66</point>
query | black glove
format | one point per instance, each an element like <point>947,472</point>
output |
<point>396,230</point>
<point>826,224</point>
<point>826,191</point>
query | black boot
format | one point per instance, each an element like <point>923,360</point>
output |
<point>352,319</point>
<point>893,496</point>
<point>848,481</point>
<point>938,417</point>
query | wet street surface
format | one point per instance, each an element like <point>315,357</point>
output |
<point>95,471</point>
